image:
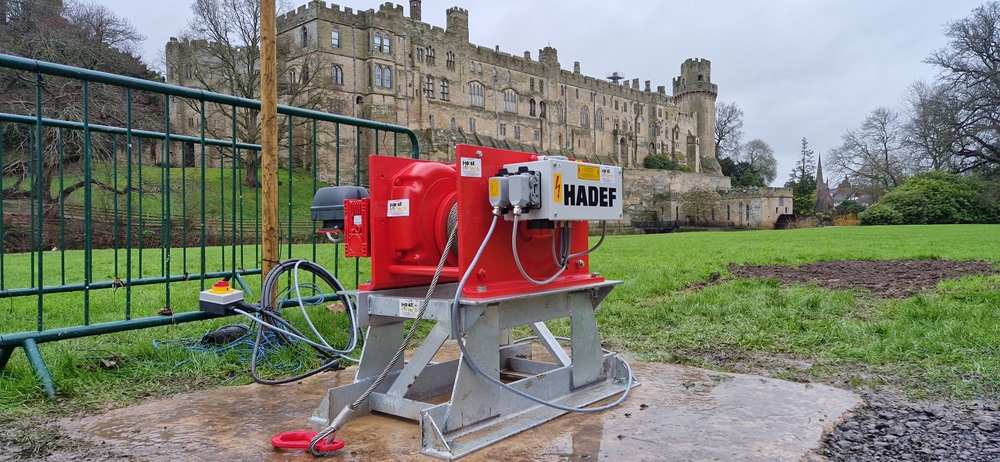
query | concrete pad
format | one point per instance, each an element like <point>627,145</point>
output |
<point>678,413</point>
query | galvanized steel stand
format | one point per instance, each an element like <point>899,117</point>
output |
<point>479,412</point>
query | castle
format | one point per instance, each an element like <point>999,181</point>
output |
<point>383,65</point>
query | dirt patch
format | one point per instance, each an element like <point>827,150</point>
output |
<point>884,279</point>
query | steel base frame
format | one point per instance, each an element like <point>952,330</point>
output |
<point>478,412</point>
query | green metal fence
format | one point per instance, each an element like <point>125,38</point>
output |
<point>123,196</point>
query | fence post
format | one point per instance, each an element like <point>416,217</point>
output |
<point>269,137</point>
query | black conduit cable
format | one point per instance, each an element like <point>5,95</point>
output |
<point>272,314</point>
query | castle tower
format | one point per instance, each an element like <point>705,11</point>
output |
<point>824,201</point>
<point>458,22</point>
<point>695,93</point>
<point>415,10</point>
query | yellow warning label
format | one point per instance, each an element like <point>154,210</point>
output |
<point>494,187</point>
<point>557,187</point>
<point>588,172</point>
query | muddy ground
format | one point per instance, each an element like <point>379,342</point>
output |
<point>890,427</point>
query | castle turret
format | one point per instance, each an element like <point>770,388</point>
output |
<point>695,93</point>
<point>458,22</point>
<point>415,10</point>
<point>549,57</point>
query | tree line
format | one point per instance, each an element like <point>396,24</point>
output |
<point>939,148</point>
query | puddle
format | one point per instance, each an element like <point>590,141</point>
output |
<point>678,413</point>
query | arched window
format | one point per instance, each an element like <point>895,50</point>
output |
<point>541,109</point>
<point>305,36</point>
<point>338,75</point>
<point>510,100</point>
<point>378,75</point>
<point>450,60</point>
<point>476,95</point>
<point>560,113</point>
<point>472,67</point>
<point>387,77</point>
<point>387,44</point>
<point>444,89</point>
<point>652,129</point>
<point>378,42</point>
<point>599,120</point>
<point>430,56</point>
<point>584,117</point>
<point>335,38</point>
<point>292,77</point>
<point>429,86</point>
<point>531,107</point>
<point>452,123</point>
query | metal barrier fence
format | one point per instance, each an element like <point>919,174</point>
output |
<point>122,196</point>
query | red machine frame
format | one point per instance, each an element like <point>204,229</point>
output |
<point>407,223</point>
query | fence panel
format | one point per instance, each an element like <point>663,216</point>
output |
<point>122,197</point>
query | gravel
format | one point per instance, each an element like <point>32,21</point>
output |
<point>889,429</point>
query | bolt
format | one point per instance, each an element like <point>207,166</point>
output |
<point>481,273</point>
<point>398,182</point>
<point>479,153</point>
<point>579,263</point>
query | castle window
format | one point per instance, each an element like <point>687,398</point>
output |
<point>562,90</point>
<point>305,37</point>
<point>531,106</point>
<point>660,112</point>
<point>532,86</point>
<point>508,76</point>
<point>420,54</point>
<point>701,78</point>
<point>444,89</point>
<point>517,132</point>
<point>599,120</point>
<point>377,43</point>
<point>387,77</point>
<point>652,129</point>
<point>450,60</point>
<point>378,75</point>
<point>291,76</point>
<point>452,123</point>
<point>510,101</point>
<point>560,113</point>
<point>616,124</point>
<point>476,95</point>
<point>472,67</point>
<point>188,72</point>
<point>472,125</point>
<point>584,117</point>
<point>335,38</point>
<point>338,75</point>
<point>541,109</point>
<point>431,120</point>
<point>305,73</point>
<point>503,129</point>
<point>729,213</point>
<point>652,148</point>
<point>479,68</point>
<point>616,105</point>
<point>577,93</point>
<point>386,44</point>
<point>538,135</point>
<point>429,86</point>
<point>652,111</point>
<point>748,213</point>
<point>430,56</point>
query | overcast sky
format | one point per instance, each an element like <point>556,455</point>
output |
<point>797,68</point>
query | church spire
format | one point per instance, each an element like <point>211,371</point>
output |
<point>824,200</point>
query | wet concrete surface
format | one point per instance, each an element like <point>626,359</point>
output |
<point>678,413</point>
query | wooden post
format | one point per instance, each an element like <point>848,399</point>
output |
<point>269,135</point>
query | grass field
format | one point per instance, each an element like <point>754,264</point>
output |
<point>943,343</point>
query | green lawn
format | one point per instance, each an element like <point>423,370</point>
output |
<point>943,343</point>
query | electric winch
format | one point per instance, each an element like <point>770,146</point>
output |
<point>494,241</point>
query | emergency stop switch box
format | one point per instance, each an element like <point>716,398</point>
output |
<point>220,299</point>
<point>570,190</point>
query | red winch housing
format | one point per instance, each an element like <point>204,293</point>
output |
<point>403,226</point>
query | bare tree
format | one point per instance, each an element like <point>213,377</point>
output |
<point>873,155</point>
<point>226,60</point>
<point>970,78</point>
<point>699,203</point>
<point>728,129</point>
<point>77,35</point>
<point>760,158</point>
<point>932,129</point>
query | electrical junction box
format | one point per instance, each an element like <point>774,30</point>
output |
<point>220,299</point>
<point>568,190</point>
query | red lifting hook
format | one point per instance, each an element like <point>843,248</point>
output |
<point>300,439</point>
